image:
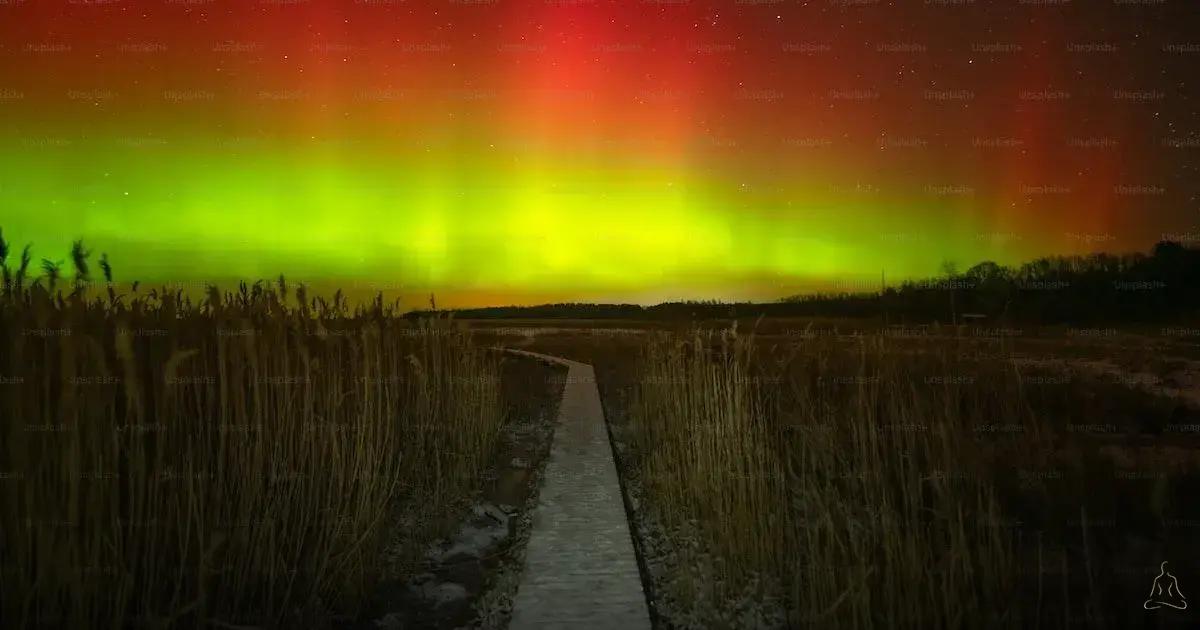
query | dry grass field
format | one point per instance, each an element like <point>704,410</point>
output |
<point>263,459</point>
<point>891,478</point>
<point>238,462</point>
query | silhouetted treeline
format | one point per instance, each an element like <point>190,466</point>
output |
<point>1163,285</point>
<point>583,310</point>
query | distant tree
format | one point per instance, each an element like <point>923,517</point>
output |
<point>1168,251</point>
<point>950,270</point>
<point>985,271</point>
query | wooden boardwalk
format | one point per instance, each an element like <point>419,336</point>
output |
<point>580,568</point>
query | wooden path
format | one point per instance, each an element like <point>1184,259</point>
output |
<point>580,567</point>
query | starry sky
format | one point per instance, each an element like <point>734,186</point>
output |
<point>506,151</point>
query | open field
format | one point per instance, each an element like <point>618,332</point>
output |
<point>242,462</point>
<point>900,479</point>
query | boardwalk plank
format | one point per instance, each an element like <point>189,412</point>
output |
<point>580,568</point>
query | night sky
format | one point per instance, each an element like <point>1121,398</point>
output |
<point>513,152</point>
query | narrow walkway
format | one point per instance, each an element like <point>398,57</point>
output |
<point>580,568</point>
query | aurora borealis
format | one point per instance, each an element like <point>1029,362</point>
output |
<point>498,151</point>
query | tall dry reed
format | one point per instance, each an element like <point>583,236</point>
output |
<point>233,462</point>
<point>849,479</point>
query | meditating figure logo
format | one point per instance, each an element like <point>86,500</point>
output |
<point>1165,592</point>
